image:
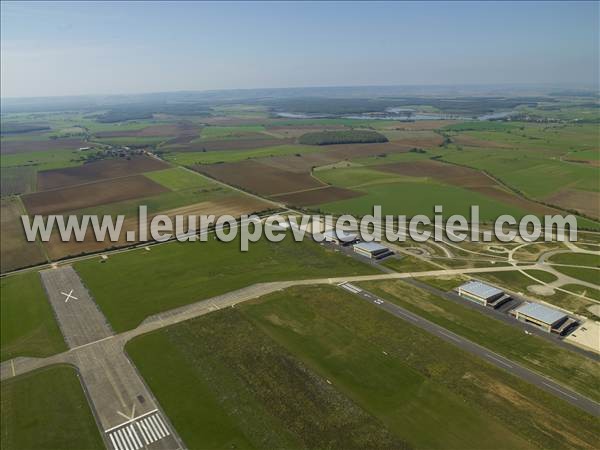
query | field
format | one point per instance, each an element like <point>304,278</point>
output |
<point>28,324</point>
<point>97,171</point>
<point>354,353</point>
<point>316,196</point>
<point>47,410</point>
<point>538,354</point>
<point>11,146</point>
<point>405,263</point>
<point>200,270</point>
<point>254,393</point>
<point>265,180</point>
<point>15,251</point>
<point>418,197</point>
<point>17,180</point>
<point>91,194</point>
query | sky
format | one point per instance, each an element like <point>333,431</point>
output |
<point>90,48</point>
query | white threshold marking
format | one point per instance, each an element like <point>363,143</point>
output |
<point>559,390</point>
<point>130,420</point>
<point>498,360</point>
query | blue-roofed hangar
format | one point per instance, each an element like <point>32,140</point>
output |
<point>549,319</point>
<point>483,293</point>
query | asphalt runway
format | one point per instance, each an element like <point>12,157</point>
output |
<point>499,361</point>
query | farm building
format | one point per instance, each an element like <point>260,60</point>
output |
<point>483,293</point>
<point>372,250</point>
<point>548,319</point>
<point>340,237</point>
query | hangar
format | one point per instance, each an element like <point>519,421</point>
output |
<point>548,319</point>
<point>372,250</point>
<point>340,237</point>
<point>483,293</point>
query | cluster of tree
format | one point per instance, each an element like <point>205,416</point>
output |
<point>342,137</point>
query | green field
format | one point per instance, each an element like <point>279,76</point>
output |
<point>420,197</point>
<point>406,263</point>
<point>529,172</point>
<point>54,159</point>
<point>177,179</point>
<point>28,327</point>
<point>47,409</point>
<point>254,394</point>
<point>131,286</point>
<point>566,367</point>
<point>218,132</point>
<point>576,259</point>
<point>246,364</point>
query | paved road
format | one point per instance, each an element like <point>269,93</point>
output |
<point>534,378</point>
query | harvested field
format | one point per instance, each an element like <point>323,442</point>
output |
<point>91,194</point>
<point>15,251</point>
<point>253,176</point>
<point>466,178</point>
<point>96,171</point>
<point>229,144</point>
<point>584,202</point>
<point>32,145</point>
<point>234,205</point>
<point>317,196</point>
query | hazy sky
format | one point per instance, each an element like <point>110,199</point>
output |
<point>107,48</point>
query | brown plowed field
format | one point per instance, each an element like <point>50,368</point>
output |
<point>15,251</point>
<point>465,177</point>
<point>585,202</point>
<point>253,176</point>
<point>96,171</point>
<point>91,194</point>
<point>7,147</point>
<point>236,205</point>
<point>317,196</point>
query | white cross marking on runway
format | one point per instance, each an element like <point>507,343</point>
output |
<point>69,296</point>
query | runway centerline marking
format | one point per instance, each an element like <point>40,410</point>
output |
<point>559,390</point>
